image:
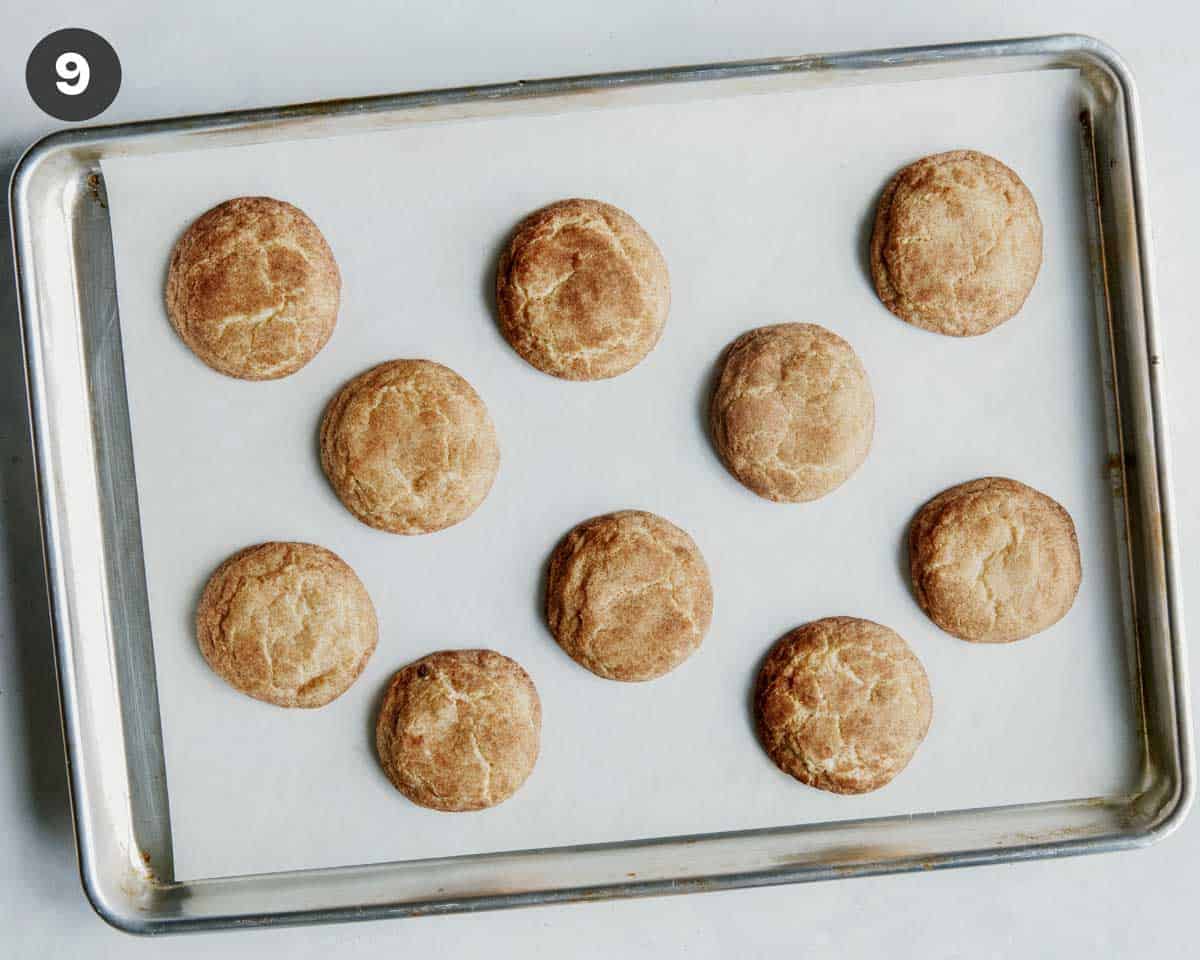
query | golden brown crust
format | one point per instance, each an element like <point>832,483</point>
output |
<point>459,729</point>
<point>288,623</point>
<point>582,291</point>
<point>792,415</point>
<point>957,243</point>
<point>994,560</point>
<point>628,595</point>
<point>842,704</point>
<point>253,288</point>
<point>409,447</point>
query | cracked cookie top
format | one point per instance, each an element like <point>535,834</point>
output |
<point>288,623</point>
<point>253,288</point>
<point>792,414</point>
<point>994,560</point>
<point>459,729</point>
<point>628,595</point>
<point>409,447</point>
<point>582,291</point>
<point>957,243</point>
<point>842,704</point>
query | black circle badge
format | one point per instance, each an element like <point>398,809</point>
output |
<point>73,74</point>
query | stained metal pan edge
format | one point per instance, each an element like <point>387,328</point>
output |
<point>113,844</point>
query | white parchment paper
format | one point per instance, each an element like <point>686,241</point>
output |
<point>762,206</point>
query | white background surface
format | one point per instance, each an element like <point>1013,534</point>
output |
<point>1120,905</point>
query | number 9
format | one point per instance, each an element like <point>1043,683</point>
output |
<point>75,72</point>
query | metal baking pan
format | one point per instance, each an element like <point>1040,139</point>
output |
<point>97,580</point>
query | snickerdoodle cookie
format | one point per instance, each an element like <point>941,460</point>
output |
<point>409,447</point>
<point>792,414</point>
<point>289,623</point>
<point>994,560</point>
<point>957,243</point>
<point>253,288</point>
<point>459,729</point>
<point>582,291</point>
<point>842,704</point>
<point>628,595</point>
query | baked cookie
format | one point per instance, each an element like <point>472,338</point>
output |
<point>628,595</point>
<point>793,414</point>
<point>409,447</point>
<point>957,243</point>
<point>289,623</point>
<point>459,729</point>
<point>842,704</point>
<point>994,560</point>
<point>582,291</point>
<point>253,288</point>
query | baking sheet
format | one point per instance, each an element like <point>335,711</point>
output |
<point>761,205</point>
